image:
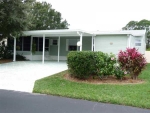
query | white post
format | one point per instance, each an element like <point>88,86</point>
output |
<point>58,47</point>
<point>92,44</point>
<point>81,42</point>
<point>43,48</point>
<point>31,46</point>
<point>14,56</point>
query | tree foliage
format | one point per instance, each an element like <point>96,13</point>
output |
<point>14,17</point>
<point>20,15</point>
<point>45,17</point>
<point>135,25</point>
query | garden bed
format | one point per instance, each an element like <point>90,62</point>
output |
<point>107,80</point>
<point>5,60</point>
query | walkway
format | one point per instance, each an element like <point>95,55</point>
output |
<point>20,76</point>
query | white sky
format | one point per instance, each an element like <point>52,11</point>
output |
<point>102,15</point>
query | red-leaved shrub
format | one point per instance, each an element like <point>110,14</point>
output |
<point>132,61</point>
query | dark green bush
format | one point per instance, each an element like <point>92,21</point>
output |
<point>80,64</point>
<point>5,53</point>
<point>85,63</point>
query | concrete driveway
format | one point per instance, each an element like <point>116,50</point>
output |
<point>21,75</point>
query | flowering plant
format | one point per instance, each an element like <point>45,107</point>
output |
<point>132,61</point>
<point>118,71</point>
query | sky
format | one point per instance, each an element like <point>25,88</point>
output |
<point>101,15</point>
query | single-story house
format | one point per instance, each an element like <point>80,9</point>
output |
<point>55,44</point>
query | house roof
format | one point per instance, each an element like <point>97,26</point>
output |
<point>56,33</point>
<point>130,32</point>
<point>69,32</point>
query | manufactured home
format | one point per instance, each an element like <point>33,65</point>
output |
<point>55,44</point>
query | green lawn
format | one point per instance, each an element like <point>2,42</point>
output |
<point>137,95</point>
<point>148,49</point>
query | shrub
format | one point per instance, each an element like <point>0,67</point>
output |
<point>105,64</point>
<point>85,63</point>
<point>119,72</point>
<point>5,53</point>
<point>132,61</point>
<point>80,64</point>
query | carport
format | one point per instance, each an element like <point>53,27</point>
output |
<point>58,34</point>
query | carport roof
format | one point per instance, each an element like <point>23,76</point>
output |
<point>70,32</point>
<point>56,33</point>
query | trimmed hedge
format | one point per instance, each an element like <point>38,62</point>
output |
<point>83,64</point>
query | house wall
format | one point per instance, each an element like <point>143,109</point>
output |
<point>111,43</point>
<point>52,54</point>
<point>115,43</point>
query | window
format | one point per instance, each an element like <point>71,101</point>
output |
<point>40,44</point>
<point>19,44</point>
<point>46,44</point>
<point>137,42</point>
<point>54,42</point>
<point>26,43</point>
<point>35,41</point>
<point>71,44</point>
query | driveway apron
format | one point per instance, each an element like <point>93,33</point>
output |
<point>21,75</point>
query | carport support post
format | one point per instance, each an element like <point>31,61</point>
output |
<point>92,43</point>
<point>43,48</point>
<point>14,56</point>
<point>58,47</point>
<point>81,42</point>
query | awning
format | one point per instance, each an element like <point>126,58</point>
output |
<point>55,33</point>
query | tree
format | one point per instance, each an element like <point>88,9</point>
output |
<point>141,25</point>
<point>132,25</point>
<point>14,17</point>
<point>45,17</point>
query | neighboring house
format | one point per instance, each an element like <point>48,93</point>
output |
<point>55,44</point>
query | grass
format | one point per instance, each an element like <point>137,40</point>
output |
<point>137,95</point>
<point>148,49</point>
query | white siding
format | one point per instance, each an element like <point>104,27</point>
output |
<point>111,43</point>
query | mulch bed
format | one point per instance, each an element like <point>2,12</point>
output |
<point>108,80</point>
<point>5,60</point>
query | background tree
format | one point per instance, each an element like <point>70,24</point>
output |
<point>14,17</point>
<point>141,25</point>
<point>45,17</point>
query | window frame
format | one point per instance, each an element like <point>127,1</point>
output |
<point>138,42</point>
<point>67,44</point>
<point>52,43</point>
